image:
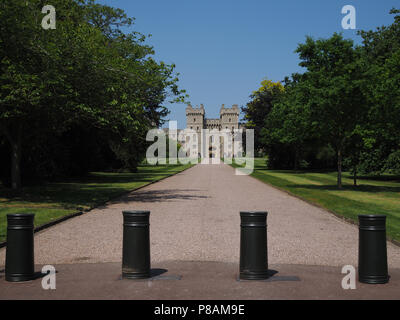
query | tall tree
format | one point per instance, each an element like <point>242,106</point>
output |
<point>334,81</point>
<point>85,73</point>
<point>381,65</point>
<point>288,123</point>
<point>262,101</point>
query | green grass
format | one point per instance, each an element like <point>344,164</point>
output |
<point>373,195</point>
<point>51,201</point>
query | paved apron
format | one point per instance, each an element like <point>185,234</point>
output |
<point>195,217</point>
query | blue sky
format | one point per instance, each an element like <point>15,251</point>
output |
<point>224,49</point>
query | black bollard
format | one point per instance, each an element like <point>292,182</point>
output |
<point>20,247</point>
<point>372,252</point>
<point>136,245</point>
<point>253,246</point>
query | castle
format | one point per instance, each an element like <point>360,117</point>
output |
<point>196,121</point>
<point>228,119</point>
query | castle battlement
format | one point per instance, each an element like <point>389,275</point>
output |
<point>197,110</point>
<point>196,120</point>
<point>234,110</point>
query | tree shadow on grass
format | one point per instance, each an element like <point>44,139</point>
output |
<point>162,195</point>
<point>68,196</point>
<point>388,178</point>
<point>117,178</point>
<point>86,191</point>
<point>361,188</point>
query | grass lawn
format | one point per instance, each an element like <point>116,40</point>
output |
<point>54,200</point>
<point>373,195</point>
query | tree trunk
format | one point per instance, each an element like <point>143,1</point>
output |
<point>15,143</point>
<point>296,160</point>
<point>339,164</point>
<point>355,176</point>
<point>16,164</point>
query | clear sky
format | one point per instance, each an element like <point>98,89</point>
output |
<point>224,49</point>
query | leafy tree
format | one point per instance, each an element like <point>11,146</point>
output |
<point>381,65</point>
<point>348,99</point>
<point>260,106</point>
<point>86,73</point>
<point>287,127</point>
<point>334,81</point>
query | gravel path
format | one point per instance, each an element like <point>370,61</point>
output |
<point>195,217</point>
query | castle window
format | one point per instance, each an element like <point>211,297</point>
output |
<point>230,119</point>
<point>194,120</point>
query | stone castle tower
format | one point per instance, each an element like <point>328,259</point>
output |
<point>228,118</point>
<point>196,120</point>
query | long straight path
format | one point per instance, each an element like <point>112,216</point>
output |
<point>195,217</point>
